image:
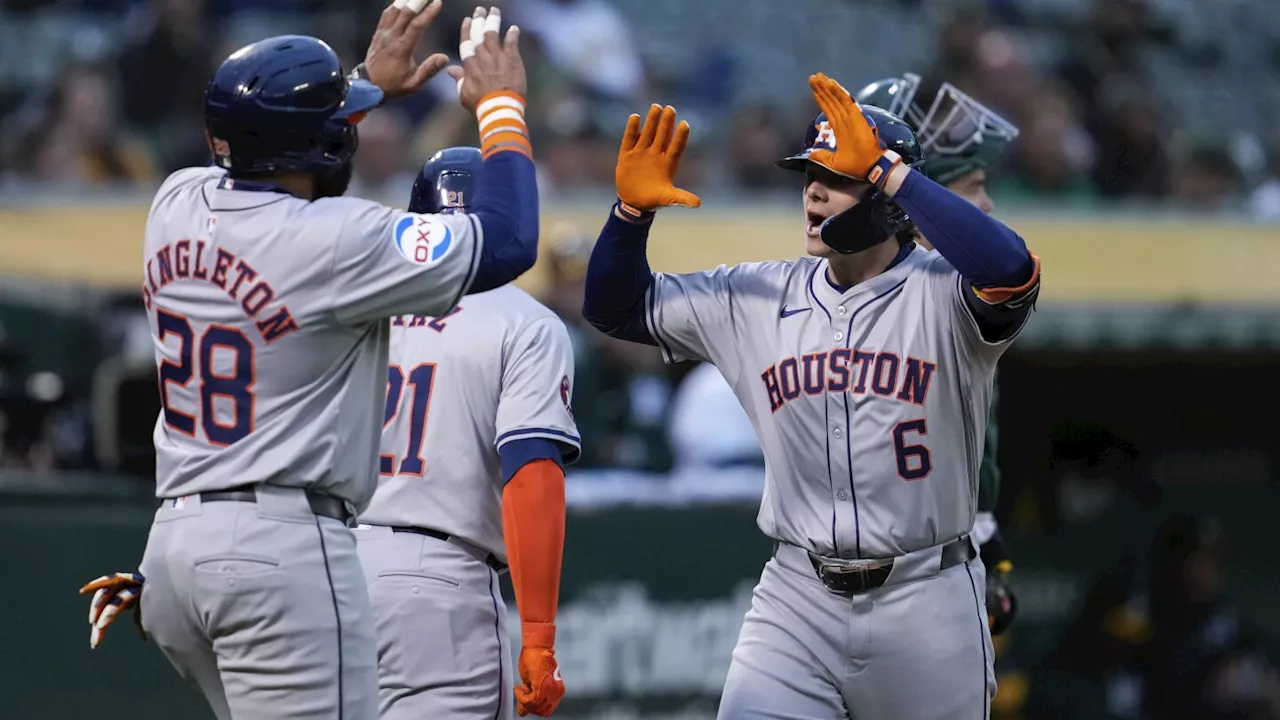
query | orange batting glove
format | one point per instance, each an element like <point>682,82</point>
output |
<point>542,687</point>
<point>112,594</point>
<point>858,152</point>
<point>648,160</point>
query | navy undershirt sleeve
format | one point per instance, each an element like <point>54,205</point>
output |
<point>985,252</point>
<point>618,277</point>
<point>507,208</point>
<point>518,453</point>
<point>982,249</point>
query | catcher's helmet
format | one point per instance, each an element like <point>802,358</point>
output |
<point>958,134</point>
<point>447,182</point>
<point>284,104</point>
<point>875,218</point>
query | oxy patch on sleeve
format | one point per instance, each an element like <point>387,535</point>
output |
<point>423,239</point>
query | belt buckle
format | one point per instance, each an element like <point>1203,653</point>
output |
<point>837,576</point>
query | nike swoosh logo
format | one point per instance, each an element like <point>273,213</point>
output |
<point>796,311</point>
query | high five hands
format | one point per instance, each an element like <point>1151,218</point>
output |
<point>648,160</point>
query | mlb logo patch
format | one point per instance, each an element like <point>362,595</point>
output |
<point>179,502</point>
<point>423,239</point>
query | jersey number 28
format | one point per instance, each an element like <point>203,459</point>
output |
<point>422,378</point>
<point>196,357</point>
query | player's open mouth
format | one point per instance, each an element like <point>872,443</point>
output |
<point>813,223</point>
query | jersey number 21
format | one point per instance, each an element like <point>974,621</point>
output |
<point>422,378</point>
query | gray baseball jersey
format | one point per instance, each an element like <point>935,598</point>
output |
<point>271,329</point>
<point>870,403</point>
<point>498,368</point>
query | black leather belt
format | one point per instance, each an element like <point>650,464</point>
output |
<point>850,577</point>
<point>322,505</point>
<point>493,562</point>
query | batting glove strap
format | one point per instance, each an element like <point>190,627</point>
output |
<point>538,635</point>
<point>634,214</point>
<point>879,173</point>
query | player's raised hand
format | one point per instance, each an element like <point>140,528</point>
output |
<point>858,149</point>
<point>111,595</point>
<point>541,687</point>
<point>648,161</point>
<point>389,60</point>
<point>489,65</point>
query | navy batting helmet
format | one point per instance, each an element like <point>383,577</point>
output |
<point>875,218</point>
<point>285,104</point>
<point>447,182</point>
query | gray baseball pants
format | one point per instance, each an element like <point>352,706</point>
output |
<point>443,648</point>
<point>916,648</point>
<point>263,606</point>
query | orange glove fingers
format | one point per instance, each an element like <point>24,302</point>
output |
<point>650,128</point>
<point>666,127</point>
<point>632,134</point>
<point>678,144</point>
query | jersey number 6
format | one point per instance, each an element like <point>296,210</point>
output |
<point>235,388</point>
<point>422,378</point>
<point>914,461</point>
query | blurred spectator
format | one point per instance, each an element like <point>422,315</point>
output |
<point>163,72</point>
<point>1105,54</point>
<point>78,138</point>
<point>1205,178</point>
<point>379,168</point>
<point>1096,673</point>
<point>1093,476</point>
<point>756,140</point>
<point>1051,154</point>
<point>709,428</point>
<point>1203,664</point>
<point>1131,155</point>
<point>588,40</point>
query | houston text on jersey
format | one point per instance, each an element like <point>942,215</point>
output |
<point>848,370</point>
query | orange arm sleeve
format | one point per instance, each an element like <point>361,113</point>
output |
<point>533,528</point>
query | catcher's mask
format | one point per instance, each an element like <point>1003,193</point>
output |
<point>958,133</point>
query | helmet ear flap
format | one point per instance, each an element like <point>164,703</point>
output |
<point>872,221</point>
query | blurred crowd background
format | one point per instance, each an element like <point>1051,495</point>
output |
<point>1155,108</point>
<point>1118,100</point>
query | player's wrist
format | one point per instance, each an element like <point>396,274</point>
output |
<point>500,115</point>
<point>538,634</point>
<point>884,166</point>
<point>632,214</point>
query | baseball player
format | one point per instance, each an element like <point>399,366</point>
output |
<point>866,370</point>
<point>478,428</point>
<point>961,138</point>
<point>271,298</point>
